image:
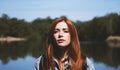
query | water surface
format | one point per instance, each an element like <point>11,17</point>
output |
<point>22,55</point>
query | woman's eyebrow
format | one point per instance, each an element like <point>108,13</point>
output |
<point>65,28</point>
<point>62,29</point>
<point>57,29</point>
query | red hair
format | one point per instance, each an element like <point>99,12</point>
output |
<point>75,56</point>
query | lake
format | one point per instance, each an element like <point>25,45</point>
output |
<point>22,55</point>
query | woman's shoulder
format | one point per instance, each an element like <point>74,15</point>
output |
<point>90,65</point>
<point>37,62</point>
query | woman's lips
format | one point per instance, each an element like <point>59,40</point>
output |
<point>60,40</point>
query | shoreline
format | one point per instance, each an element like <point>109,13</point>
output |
<point>113,41</point>
<point>11,39</point>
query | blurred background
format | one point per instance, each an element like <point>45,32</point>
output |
<point>24,25</point>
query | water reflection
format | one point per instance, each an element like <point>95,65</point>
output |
<point>15,50</point>
<point>99,52</point>
<point>102,53</point>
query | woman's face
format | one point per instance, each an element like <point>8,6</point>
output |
<point>62,34</point>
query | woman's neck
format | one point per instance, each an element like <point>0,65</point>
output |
<point>60,53</point>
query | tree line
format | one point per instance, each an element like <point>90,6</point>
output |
<point>97,29</point>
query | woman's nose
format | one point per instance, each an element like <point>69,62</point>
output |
<point>60,34</point>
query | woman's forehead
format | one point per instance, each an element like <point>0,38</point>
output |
<point>61,24</point>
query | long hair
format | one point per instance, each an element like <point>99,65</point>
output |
<point>74,51</point>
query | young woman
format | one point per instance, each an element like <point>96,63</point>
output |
<point>63,49</point>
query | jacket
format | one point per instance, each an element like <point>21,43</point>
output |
<point>90,65</point>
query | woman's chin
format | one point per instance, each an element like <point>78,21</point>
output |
<point>62,45</point>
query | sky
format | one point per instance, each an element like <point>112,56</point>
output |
<point>82,10</point>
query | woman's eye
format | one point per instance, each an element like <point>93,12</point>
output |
<point>55,31</point>
<point>66,31</point>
